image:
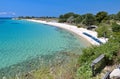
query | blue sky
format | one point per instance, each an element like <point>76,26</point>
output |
<point>56,7</point>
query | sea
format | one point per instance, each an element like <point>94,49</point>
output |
<point>25,45</point>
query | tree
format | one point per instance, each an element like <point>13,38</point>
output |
<point>32,16</point>
<point>61,18</point>
<point>20,17</point>
<point>103,31</point>
<point>78,19</point>
<point>118,16</point>
<point>89,19</point>
<point>112,17</point>
<point>65,17</point>
<point>101,16</point>
<point>70,19</point>
<point>115,27</point>
<point>27,17</point>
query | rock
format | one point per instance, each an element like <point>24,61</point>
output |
<point>4,77</point>
<point>115,73</point>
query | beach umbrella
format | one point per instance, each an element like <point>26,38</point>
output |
<point>115,73</point>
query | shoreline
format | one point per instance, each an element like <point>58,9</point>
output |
<point>74,29</point>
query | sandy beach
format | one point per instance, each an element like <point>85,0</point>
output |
<point>74,29</point>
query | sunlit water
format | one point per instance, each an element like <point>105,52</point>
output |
<point>23,43</point>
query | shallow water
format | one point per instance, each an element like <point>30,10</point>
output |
<point>23,42</point>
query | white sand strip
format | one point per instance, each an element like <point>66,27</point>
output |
<point>74,29</point>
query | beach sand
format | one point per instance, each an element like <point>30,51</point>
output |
<point>74,29</point>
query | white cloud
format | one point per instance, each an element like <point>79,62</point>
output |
<point>12,13</point>
<point>7,13</point>
<point>3,13</point>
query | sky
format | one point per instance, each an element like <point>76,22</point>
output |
<point>14,8</point>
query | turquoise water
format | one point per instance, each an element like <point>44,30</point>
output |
<point>22,41</point>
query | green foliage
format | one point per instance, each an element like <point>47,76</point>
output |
<point>70,19</point>
<point>115,17</point>
<point>104,30</point>
<point>78,19</point>
<point>26,17</point>
<point>87,56</point>
<point>61,18</point>
<point>67,15</point>
<point>101,16</point>
<point>115,38</point>
<point>89,19</point>
<point>112,17</point>
<point>111,50</point>
<point>118,16</point>
<point>84,72</point>
<point>115,27</point>
<point>64,18</point>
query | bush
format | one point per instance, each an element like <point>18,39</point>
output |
<point>115,27</point>
<point>110,50</point>
<point>104,31</point>
<point>84,72</point>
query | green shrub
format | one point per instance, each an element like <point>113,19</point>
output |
<point>104,31</point>
<point>115,27</point>
<point>110,50</point>
<point>84,72</point>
